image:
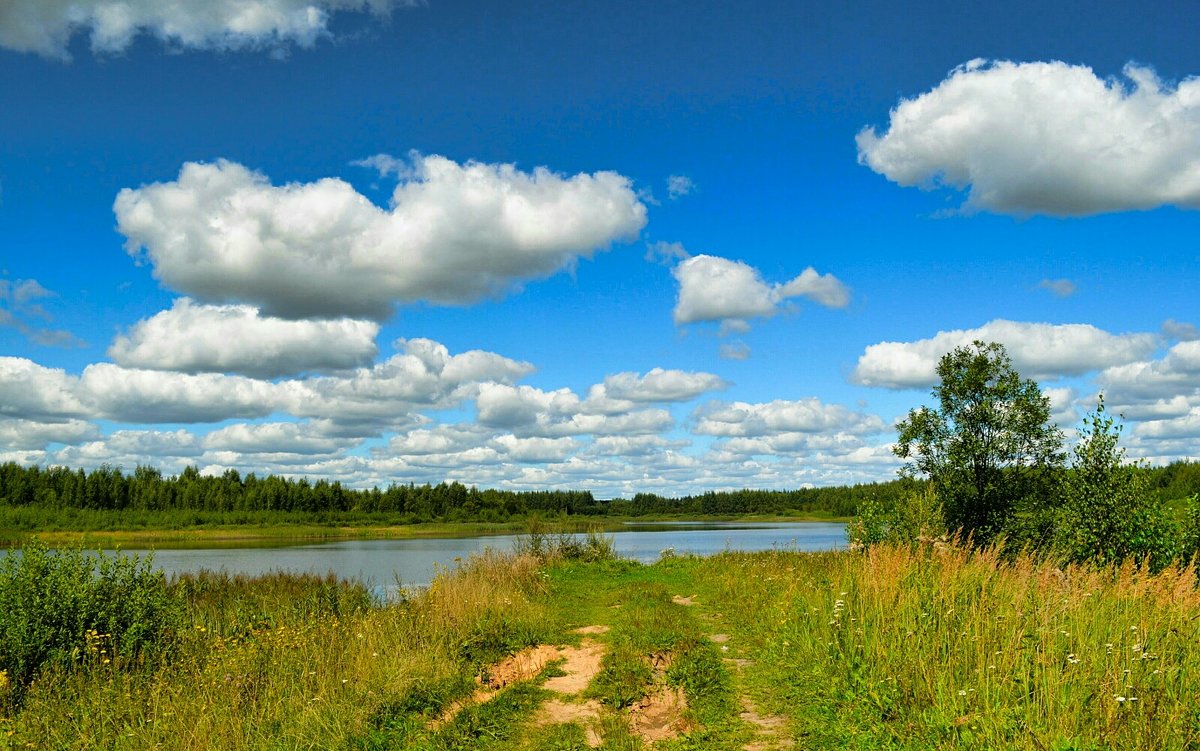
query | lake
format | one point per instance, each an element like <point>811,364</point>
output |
<point>387,564</point>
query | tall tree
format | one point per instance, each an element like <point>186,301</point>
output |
<point>987,445</point>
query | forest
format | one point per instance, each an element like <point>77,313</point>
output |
<point>53,489</point>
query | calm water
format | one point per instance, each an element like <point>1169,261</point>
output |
<point>385,564</point>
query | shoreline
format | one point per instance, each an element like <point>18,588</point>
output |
<point>284,534</point>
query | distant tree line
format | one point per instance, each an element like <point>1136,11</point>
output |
<point>147,489</point>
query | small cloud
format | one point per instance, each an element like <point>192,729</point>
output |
<point>718,289</point>
<point>738,350</point>
<point>733,326</point>
<point>55,338</point>
<point>18,305</point>
<point>389,166</point>
<point>1179,330</point>
<point>679,186</point>
<point>46,27</point>
<point>666,253</point>
<point>1058,287</point>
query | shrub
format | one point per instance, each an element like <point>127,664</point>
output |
<point>916,516</point>
<point>546,546</point>
<point>67,606</point>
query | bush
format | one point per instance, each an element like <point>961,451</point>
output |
<point>915,517</point>
<point>547,546</point>
<point>67,607</point>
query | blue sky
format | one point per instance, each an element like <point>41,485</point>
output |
<point>656,246</point>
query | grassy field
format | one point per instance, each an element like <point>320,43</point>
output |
<point>888,649</point>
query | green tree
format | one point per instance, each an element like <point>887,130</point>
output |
<point>987,446</point>
<point>1109,511</point>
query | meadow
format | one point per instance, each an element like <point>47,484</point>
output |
<point>561,646</point>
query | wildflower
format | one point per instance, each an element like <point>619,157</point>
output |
<point>962,692</point>
<point>1071,658</point>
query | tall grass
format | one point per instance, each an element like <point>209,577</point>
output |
<point>291,662</point>
<point>910,648</point>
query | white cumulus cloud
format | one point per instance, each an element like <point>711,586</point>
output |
<point>423,375</point>
<point>718,289</point>
<point>529,411</point>
<point>453,233</point>
<point>811,415</point>
<point>273,437</point>
<point>1046,138</point>
<point>33,392</point>
<point>1038,350</point>
<point>155,396</point>
<point>46,27</point>
<point>26,435</point>
<point>659,385</point>
<point>196,338</point>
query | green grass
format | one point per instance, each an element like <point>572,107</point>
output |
<point>895,648</point>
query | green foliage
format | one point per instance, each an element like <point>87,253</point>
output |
<point>989,444</point>
<point>550,546</point>
<point>237,604</point>
<point>68,607</point>
<point>915,517</point>
<point>1108,513</point>
<point>1189,539</point>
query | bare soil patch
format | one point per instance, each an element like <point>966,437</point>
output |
<point>521,666</point>
<point>772,729</point>
<point>659,715</point>
<point>581,665</point>
<point>687,601</point>
<point>591,630</point>
<point>718,638</point>
<point>557,712</point>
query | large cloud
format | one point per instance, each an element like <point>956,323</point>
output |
<point>237,339</point>
<point>1046,138</point>
<point>1038,350</point>
<point>454,233</point>
<point>718,289</point>
<point>46,26</point>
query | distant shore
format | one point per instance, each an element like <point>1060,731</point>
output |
<point>215,534</point>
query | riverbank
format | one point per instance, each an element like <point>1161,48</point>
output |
<point>145,530</point>
<point>894,648</point>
